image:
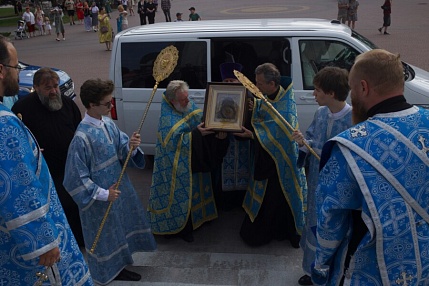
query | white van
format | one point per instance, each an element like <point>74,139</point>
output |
<point>204,45</point>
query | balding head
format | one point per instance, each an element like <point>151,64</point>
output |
<point>382,70</point>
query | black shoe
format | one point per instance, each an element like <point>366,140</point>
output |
<point>379,30</point>
<point>126,275</point>
<point>386,33</point>
<point>305,280</point>
<point>294,241</point>
<point>188,237</point>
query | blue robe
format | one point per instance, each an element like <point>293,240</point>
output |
<point>372,167</point>
<point>324,126</point>
<point>32,218</point>
<point>236,165</point>
<point>276,138</point>
<point>177,191</point>
<point>95,159</point>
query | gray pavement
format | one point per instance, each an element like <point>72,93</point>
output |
<point>218,256</point>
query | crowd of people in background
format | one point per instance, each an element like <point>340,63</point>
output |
<point>347,12</point>
<point>146,9</point>
<point>38,21</point>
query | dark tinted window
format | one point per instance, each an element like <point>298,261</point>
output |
<point>250,52</point>
<point>138,58</point>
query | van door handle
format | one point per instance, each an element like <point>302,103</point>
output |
<point>307,97</point>
<point>284,55</point>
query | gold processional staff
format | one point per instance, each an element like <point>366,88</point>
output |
<point>163,66</point>
<point>255,90</point>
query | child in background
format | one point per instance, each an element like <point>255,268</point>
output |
<point>48,26</point>
<point>39,14</point>
<point>178,17</point>
<point>122,19</point>
<point>194,16</point>
<point>21,27</point>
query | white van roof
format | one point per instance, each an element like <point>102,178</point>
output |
<point>310,25</point>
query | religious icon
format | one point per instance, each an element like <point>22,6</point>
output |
<point>224,107</point>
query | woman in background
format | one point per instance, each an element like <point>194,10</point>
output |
<point>387,10</point>
<point>94,15</point>
<point>57,12</point>
<point>79,11</point>
<point>87,16</point>
<point>352,13</point>
<point>105,29</point>
<point>150,12</point>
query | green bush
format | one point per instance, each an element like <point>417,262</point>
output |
<point>8,17</point>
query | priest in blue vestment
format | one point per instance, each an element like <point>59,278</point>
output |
<point>181,196</point>
<point>36,242</point>
<point>94,162</point>
<point>372,196</point>
<point>276,197</point>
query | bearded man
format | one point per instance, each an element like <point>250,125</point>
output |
<point>36,243</point>
<point>53,119</point>
<point>181,196</point>
<point>372,195</point>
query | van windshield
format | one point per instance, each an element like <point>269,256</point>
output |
<point>364,40</point>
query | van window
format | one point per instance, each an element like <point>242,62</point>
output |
<point>317,54</point>
<point>250,53</point>
<point>137,64</point>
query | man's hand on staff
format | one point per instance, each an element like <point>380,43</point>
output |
<point>135,140</point>
<point>113,193</point>
<point>298,137</point>
<point>50,258</point>
<point>251,103</point>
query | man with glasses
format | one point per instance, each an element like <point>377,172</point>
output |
<point>53,119</point>
<point>35,234</point>
<point>94,164</point>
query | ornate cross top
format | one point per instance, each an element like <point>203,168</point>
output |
<point>404,279</point>
<point>422,141</point>
<point>43,276</point>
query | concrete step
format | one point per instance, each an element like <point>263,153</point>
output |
<point>165,268</point>
<point>218,256</point>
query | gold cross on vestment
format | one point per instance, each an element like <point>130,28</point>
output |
<point>404,279</point>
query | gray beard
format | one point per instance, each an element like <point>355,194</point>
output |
<point>52,104</point>
<point>181,109</point>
